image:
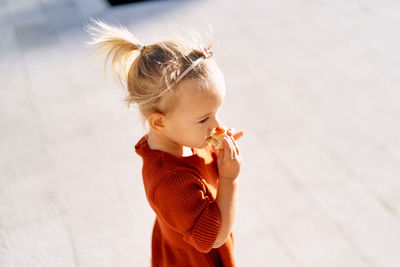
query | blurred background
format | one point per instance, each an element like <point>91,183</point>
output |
<point>314,84</point>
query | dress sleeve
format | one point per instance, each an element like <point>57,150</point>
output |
<point>182,201</point>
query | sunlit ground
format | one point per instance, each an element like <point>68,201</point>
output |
<point>314,85</point>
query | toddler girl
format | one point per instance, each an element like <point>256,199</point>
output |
<point>191,186</point>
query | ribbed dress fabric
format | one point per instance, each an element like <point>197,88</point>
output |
<point>182,192</point>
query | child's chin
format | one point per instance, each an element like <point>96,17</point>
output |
<point>201,146</point>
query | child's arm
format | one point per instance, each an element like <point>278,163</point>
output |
<point>226,201</point>
<point>229,161</point>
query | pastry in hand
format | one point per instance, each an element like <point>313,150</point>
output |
<point>217,138</point>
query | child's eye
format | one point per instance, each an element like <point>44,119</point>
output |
<point>203,121</point>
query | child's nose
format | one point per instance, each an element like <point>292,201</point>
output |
<point>216,123</point>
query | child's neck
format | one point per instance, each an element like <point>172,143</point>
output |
<point>159,142</point>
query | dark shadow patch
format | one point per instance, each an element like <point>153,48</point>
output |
<point>122,2</point>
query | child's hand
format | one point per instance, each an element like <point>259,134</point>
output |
<point>229,158</point>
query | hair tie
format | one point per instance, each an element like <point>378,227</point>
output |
<point>206,54</point>
<point>141,47</point>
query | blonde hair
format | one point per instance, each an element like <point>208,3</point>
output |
<point>150,75</point>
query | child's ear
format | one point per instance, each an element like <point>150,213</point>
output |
<point>156,121</point>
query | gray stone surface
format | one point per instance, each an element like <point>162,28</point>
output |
<point>314,84</point>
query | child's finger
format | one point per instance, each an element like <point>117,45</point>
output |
<point>229,146</point>
<point>235,147</point>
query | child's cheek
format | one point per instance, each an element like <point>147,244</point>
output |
<point>201,138</point>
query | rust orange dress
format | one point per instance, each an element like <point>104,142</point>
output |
<point>182,191</point>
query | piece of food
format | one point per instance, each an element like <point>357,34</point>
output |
<point>217,138</point>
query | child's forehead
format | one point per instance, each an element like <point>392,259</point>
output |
<point>213,86</point>
<point>193,99</point>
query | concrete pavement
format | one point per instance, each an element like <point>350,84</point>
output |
<point>314,84</point>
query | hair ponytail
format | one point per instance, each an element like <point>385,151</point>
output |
<point>118,43</point>
<point>150,77</point>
